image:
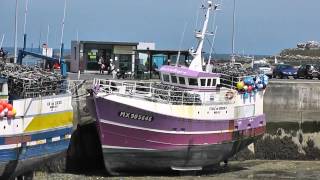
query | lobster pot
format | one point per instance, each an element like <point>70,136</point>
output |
<point>28,82</point>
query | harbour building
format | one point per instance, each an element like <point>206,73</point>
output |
<point>140,58</point>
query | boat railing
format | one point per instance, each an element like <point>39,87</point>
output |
<point>231,81</point>
<point>150,91</point>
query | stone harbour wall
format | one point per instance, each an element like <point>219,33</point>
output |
<point>292,109</point>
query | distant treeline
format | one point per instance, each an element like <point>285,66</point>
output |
<point>301,52</point>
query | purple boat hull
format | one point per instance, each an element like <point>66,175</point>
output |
<point>135,139</point>
<point>120,160</point>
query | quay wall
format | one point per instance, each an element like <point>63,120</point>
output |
<point>292,101</point>
<point>292,109</point>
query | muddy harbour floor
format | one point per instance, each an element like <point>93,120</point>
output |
<point>253,169</point>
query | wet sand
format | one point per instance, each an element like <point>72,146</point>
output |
<point>253,169</point>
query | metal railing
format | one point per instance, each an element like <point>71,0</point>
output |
<point>157,92</point>
<point>231,81</point>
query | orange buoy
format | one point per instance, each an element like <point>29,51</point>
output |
<point>9,107</point>
<point>4,104</point>
<point>10,114</point>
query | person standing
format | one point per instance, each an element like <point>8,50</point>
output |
<point>100,62</point>
<point>113,70</point>
<point>103,67</point>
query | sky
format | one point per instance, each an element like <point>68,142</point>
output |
<point>263,27</point>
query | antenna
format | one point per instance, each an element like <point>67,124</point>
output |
<point>213,40</point>
<point>215,32</point>
<point>16,34</point>
<point>181,41</point>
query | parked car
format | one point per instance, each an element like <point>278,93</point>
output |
<point>284,71</point>
<point>264,68</point>
<point>308,71</point>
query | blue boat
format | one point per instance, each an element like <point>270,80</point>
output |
<point>35,122</point>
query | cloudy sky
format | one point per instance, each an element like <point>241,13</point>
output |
<point>262,26</point>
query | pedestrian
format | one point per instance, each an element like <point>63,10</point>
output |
<point>113,70</point>
<point>102,68</point>
<point>109,66</point>
<point>100,62</point>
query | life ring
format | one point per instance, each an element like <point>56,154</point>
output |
<point>130,91</point>
<point>229,95</point>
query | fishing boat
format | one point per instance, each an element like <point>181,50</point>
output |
<point>189,120</point>
<point>35,119</point>
<point>36,114</point>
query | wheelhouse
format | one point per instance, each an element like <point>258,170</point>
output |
<point>184,77</point>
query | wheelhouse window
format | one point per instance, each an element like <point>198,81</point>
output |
<point>209,82</point>
<point>174,79</point>
<point>182,80</point>
<point>203,82</point>
<point>166,78</point>
<point>193,82</point>
<point>214,82</point>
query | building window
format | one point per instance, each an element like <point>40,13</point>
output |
<point>125,62</point>
<point>174,79</point>
<point>182,80</point>
<point>193,82</point>
<point>166,78</point>
<point>208,82</point>
<point>75,53</point>
<point>92,55</point>
<point>214,82</point>
<point>203,82</point>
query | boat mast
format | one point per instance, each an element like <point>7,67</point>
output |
<point>48,31</point>
<point>25,17</point>
<point>2,40</point>
<point>16,34</point>
<point>25,26</point>
<point>233,60</point>
<point>196,63</point>
<point>62,30</point>
<point>181,41</point>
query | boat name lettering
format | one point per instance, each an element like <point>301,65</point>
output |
<point>135,116</point>
<point>54,104</point>
<point>218,108</point>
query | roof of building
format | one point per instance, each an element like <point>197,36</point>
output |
<point>161,51</point>
<point>186,72</point>
<point>110,43</point>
